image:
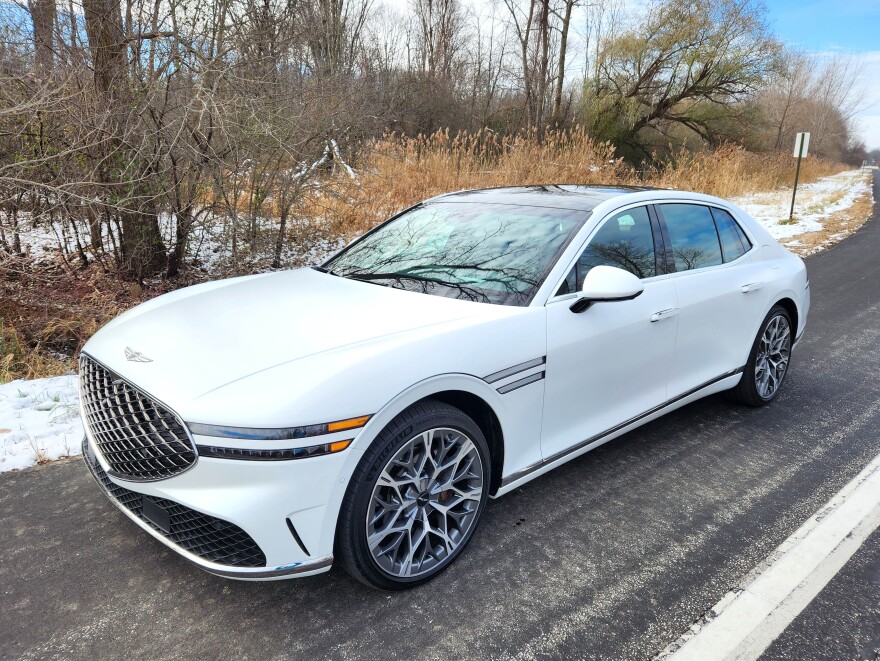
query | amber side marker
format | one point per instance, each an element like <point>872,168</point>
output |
<point>339,446</point>
<point>351,423</point>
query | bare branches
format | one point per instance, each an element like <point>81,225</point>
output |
<point>129,127</point>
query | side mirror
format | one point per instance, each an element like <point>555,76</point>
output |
<point>605,284</point>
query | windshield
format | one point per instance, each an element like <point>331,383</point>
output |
<point>493,253</point>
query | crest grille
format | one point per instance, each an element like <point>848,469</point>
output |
<point>139,437</point>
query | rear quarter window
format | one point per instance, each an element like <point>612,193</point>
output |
<point>734,243</point>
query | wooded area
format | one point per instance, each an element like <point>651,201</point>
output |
<point>125,124</point>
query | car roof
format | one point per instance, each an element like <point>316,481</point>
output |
<point>581,197</point>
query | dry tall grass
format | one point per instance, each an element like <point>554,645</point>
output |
<point>47,313</point>
<point>401,171</point>
<point>19,360</point>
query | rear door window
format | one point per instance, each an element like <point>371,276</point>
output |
<point>692,234</point>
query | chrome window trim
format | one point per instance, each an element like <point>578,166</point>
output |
<point>711,205</point>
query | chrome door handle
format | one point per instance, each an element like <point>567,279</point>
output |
<point>664,314</point>
<point>752,286</point>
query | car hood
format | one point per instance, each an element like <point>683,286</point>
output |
<point>199,339</point>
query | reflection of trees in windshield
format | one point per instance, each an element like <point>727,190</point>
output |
<point>477,252</point>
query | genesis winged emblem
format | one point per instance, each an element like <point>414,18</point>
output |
<point>136,356</point>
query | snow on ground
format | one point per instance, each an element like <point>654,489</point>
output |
<point>39,421</point>
<point>814,203</point>
<point>209,245</point>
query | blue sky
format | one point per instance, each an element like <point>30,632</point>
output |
<point>852,25</point>
<point>848,26</point>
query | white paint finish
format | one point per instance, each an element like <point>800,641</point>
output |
<point>605,282</point>
<point>255,495</point>
<point>605,365</point>
<point>720,386</point>
<point>717,320</point>
<point>302,347</point>
<point>247,326</point>
<point>746,621</point>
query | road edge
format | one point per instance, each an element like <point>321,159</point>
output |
<point>747,619</point>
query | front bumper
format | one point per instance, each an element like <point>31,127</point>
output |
<point>233,518</point>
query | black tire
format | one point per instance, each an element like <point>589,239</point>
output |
<point>747,391</point>
<point>351,531</point>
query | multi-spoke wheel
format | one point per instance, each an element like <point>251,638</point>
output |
<point>768,361</point>
<point>774,350</point>
<point>415,498</point>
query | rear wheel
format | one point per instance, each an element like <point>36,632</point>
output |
<point>415,498</point>
<point>768,361</point>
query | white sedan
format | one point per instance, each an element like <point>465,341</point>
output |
<point>365,410</point>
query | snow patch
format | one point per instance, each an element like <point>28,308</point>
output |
<point>39,421</point>
<point>815,202</point>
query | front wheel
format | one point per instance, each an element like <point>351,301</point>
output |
<point>415,498</point>
<point>768,361</point>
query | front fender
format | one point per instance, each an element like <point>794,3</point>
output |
<point>518,412</point>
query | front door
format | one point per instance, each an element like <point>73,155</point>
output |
<point>610,363</point>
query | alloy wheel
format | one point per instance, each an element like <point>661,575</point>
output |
<point>774,352</point>
<point>425,502</point>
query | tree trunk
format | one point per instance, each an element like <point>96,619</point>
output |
<point>279,241</point>
<point>143,253</point>
<point>43,18</point>
<point>182,230</point>
<point>560,76</point>
<point>544,33</point>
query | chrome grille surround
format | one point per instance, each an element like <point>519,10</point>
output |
<point>140,438</point>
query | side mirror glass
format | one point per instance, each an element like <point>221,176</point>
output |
<point>606,284</point>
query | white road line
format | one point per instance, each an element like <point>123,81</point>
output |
<point>746,620</point>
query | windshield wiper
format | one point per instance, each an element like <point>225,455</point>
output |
<point>366,278</point>
<point>369,277</point>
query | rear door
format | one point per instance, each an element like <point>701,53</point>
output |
<point>716,283</point>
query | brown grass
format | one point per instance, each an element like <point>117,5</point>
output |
<point>47,313</point>
<point>401,171</point>
<point>18,360</point>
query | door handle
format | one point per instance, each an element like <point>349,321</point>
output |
<point>752,286</point>
<point>664,314</point>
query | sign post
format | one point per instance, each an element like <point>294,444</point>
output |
<point>801,143</point>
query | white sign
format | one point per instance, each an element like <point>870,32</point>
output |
<point>801,144</point>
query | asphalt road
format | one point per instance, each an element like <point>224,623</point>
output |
<point>843,620</point>
<point>612,556</point>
